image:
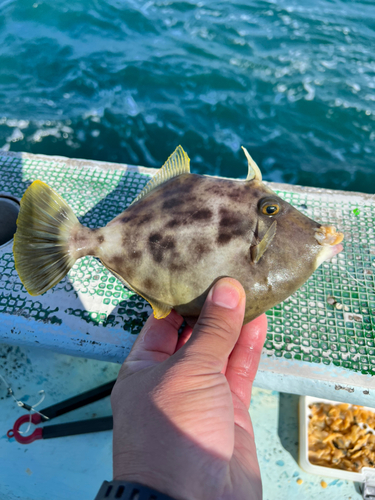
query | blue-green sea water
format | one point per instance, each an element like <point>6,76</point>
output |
<point>127,81</point>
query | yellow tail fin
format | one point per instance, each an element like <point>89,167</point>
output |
<point>41,243</point>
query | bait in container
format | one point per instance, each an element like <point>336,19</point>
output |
<point>365,475</point>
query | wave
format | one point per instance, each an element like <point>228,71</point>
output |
<point>115,81</point>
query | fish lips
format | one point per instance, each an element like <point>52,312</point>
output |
<point>330,241</point>
<point>336,249</point>
<point>327,252</point>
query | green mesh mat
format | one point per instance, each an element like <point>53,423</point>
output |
<point>96,195</point>
<point>330,320</point>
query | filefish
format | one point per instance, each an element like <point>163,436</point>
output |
<point>180,235</point>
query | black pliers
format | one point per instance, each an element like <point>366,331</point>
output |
<point>71,428</point>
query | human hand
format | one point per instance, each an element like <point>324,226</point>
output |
<point>180,404</point>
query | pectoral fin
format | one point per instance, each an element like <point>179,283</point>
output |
<point>258,250</point>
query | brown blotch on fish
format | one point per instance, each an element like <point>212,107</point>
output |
<point>142,219</point>
<point>238,193</point>
<point>173,223</point>
<point>178,266</point>
<point>126,219</point>
<point>228,218</point>
<point>202,214</point>
<point>224,238</point>
<point>231,223</point>
<point>82,242</point>
<point>169,244</point>
<point>118,261</point>
<point>149,284</point>
<point>190,199</point>
<point>200,249</point>
<point>100,239</point>
<point>173,203</point>
<point>189,182</point>
<point>157,254</point>
<point>155,238</point>
<point>227,189</point>
<point>159,246</point>
<point>218,190</point>
<point>239,230</point>
<point>135,254</point>
<point>129,273</point>
<point>80,238</point>
<point>190,216</point>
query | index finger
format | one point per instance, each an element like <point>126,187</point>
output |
<point>244,360</point>
<point>155,343</point>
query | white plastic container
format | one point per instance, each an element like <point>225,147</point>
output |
<point>367,474</point>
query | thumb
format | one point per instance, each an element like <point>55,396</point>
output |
<point>218,326</point>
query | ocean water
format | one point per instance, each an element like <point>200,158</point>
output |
<point>127,81</point>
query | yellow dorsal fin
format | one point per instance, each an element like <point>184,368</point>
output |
<point>258,250</point>
<point>178,163</point>
<point>254,171</point>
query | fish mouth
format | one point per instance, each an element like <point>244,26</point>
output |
<point>330,240</point>
<point>327,235</point>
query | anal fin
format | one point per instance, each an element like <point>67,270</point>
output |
<point>160,310</point>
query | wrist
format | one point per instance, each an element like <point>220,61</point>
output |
<point>178,477</point>
<point>166,486</point>
<point>125,490</point>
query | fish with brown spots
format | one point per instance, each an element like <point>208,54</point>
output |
<point>182,233</point>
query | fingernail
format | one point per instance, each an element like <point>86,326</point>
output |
<point>225,295</point>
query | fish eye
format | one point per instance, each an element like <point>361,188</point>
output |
<point>269,207</point>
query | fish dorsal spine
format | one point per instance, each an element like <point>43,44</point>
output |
<point>254,171</point>
<point>178,163</point>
